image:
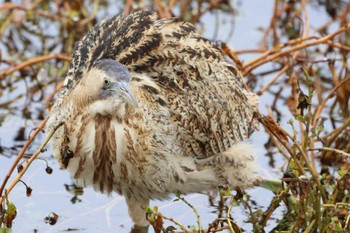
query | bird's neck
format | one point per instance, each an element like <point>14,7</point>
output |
<point>116,107</point>
<point>111,107</point>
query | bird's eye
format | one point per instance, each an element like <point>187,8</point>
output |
<point>106,82</point>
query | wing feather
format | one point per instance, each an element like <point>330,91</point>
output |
<point>177,69</point>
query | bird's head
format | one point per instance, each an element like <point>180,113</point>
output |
<point>105,89</point>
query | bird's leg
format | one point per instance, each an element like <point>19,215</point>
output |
<point>274,185</point>
<point>137,212</point>
<point>138,229</point>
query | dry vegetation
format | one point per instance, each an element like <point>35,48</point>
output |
<point>307,72</point>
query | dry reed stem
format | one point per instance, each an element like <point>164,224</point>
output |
<point>21,153</point>
<point>323,104</point>
<point>8,6</point>
<point>331,150</point>
<point>176,223</point>
<point>262,59</point>
<point>279,74</point>
<point>33,61</point>
<point>32,158</point>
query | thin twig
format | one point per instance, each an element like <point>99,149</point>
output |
<point>229,215</point>
<point>276,130</point>
<point>267,86</point>
<point>176,223</point>
<point>194,210</point>
<point>331,150</point>
<point>229,220</point>
<point>32,62</point>
<point>309,166</point>
<point>323,104</point>
<point>277,55</point>
<point>21,153</point>
<point>336,132</point>
<point>7,6</point>
<point>32,158</point>
<point>91,16</point>
<point>242,51</point>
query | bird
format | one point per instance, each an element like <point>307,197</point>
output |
<point>150,108</point>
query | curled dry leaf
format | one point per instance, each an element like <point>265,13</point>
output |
<point>270,124</point>
<point>51,218</point>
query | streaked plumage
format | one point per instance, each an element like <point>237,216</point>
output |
<point>185,132</point>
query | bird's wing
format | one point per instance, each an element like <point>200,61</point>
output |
<point>188,75</point>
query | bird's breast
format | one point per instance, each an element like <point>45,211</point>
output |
<point>104,152</point>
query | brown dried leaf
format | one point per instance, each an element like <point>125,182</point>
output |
<point>291,103</point>
<point>274,127</point>
<point>51,218</point>
<point>303,102</point>
<point>343,96</point>
<point>158,224</point>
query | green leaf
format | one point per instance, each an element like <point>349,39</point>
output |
<point>225,192</point>
<point>149,210</point>
<point>5,230</point>
<point>300,118</point>
<point>342,172</point>
<point>10,213</point>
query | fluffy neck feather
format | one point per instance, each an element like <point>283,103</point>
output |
<point>112,106</point>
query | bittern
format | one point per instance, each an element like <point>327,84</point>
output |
<point>150,108</point>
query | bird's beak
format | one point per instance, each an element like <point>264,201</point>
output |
<point>125,88</point>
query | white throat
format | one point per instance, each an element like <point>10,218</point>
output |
<point>112,106</point>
